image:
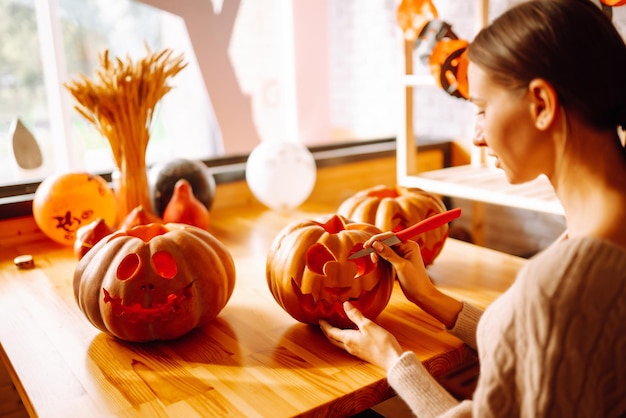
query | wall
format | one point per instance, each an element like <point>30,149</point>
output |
<point>514,231</point>
<point>511,230</point>
<point>320,71</point>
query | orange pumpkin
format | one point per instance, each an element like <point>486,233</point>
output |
<point>185,208</point>
<point>310,276</point>
<point>154,282</point>
<point>87,236</point>
<point>139,216</point>
<point>396,208</point>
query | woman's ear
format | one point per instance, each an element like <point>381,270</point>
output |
<point>543,103</point>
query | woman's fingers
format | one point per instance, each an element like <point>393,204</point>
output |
<point>388,253</point>
<point>339,336</point>
<point>369,342</point>
<point>354,314</point>
<point>378,237</point>
<point>333,334</point>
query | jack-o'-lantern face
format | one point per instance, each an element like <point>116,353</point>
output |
<point>152,289</point>
<point>310,276</point>
<point>154,282</point>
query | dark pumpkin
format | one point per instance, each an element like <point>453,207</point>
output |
<point>163,177</point>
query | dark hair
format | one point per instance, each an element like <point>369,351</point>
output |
<point>571,44</point>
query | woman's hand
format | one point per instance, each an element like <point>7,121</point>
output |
<point>406,259</point>
<point>369,342</point>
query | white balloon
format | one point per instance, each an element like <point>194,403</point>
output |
<point>281,175</point>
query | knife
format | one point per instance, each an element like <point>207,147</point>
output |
<point>427,224</point>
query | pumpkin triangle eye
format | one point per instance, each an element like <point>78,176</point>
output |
<point>128,267</point>
<point>317,256</point>
<point>164,264</point>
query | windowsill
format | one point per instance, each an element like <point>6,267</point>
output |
<point>16,200</point>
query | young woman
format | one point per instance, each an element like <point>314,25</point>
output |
<point>548,80</point>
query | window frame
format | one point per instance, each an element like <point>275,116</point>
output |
<point>16,200</point>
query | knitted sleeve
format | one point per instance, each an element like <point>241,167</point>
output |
<point>466,322</point>
<point>421,392</point>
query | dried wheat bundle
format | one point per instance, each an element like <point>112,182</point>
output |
<point>121,99</point>
<point>120,103</point>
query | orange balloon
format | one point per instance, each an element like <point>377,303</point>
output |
<point>413,15</point>
<point>614,3</point>
<point>65,202</point>
<point>448,64</point>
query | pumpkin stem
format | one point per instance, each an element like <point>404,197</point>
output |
<point>391,193</point>
<point>143,232</point>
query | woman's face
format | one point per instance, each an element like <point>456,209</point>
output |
<point>504,125</point>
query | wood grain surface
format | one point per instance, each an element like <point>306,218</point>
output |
<point>253,360</point>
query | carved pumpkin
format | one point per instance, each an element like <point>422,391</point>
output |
<point>154,282</point>
<point>310,276</point>
<point>396,208</point>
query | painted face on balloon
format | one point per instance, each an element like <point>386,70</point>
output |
<point>64,203</point>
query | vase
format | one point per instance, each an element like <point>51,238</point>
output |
<point>132,188</point>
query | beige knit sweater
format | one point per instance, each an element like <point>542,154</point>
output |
<point>553,345</point>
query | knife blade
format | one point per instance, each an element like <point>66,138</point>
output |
<point>427,224</point>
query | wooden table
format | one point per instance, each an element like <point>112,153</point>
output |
<point>253,360</point>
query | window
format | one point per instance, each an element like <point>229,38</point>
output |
<point>309,70</point>
<point>71,36</point>
<point>342,56</point>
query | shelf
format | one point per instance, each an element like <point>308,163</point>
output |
<point>487,185</point>
<point>475,182</point>
<point>418,80</point>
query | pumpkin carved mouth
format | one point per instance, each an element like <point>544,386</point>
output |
<point>159,312</point>
<point>326,308</point>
